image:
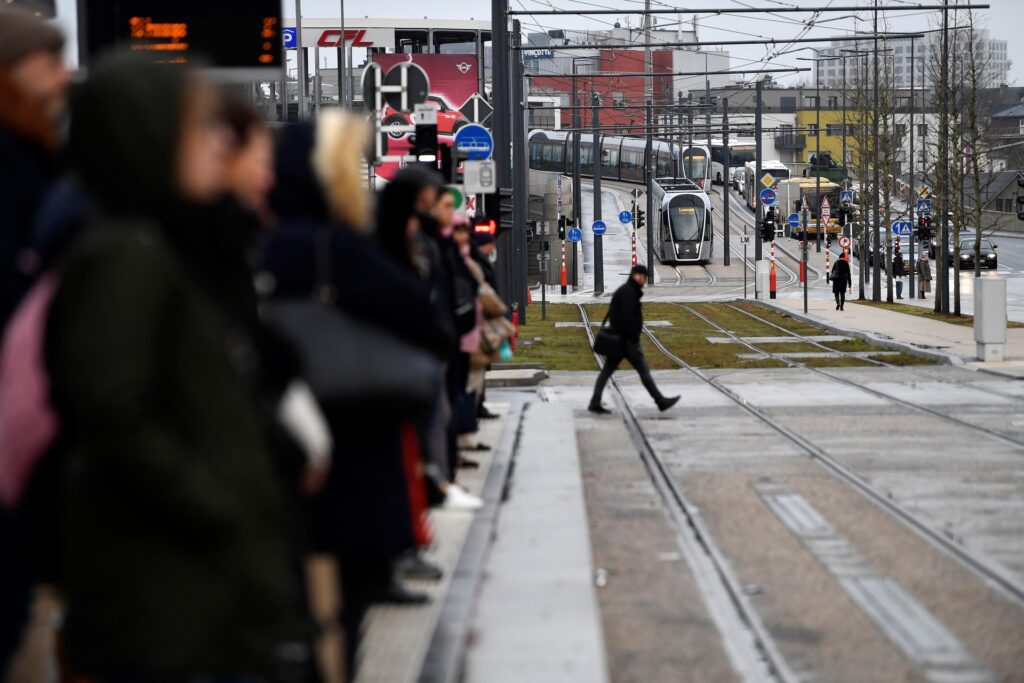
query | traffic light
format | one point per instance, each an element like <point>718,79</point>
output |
<point>562,223</point>
<point>768,226</point>
<point>424,143</point>
<point>844,213</point>
<point>499,208</point>
<point>641,218</point>
<point>485,225</point>
<point>1020,207</point>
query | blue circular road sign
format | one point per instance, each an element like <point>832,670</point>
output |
<point>574,234</point>
<point>902,228</point>
<point>767,196</point>
<point>599,227</point>
<point>625,217</point>
<point>794,220</point>
<point>474,141</point>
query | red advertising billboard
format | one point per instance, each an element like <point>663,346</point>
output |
<point>453,80</point>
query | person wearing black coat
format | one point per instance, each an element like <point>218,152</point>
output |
<point>899,271</point>
<point>841,280</point>
<point>625,317</point>
<point>177,561</point>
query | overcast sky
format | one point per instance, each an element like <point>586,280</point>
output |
<point>1004,17</point>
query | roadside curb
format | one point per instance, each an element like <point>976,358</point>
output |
<point>870,337</point>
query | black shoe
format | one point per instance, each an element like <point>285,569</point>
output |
<point>478,447</point>
<point>484,414</point>
<point>599,409</point>
<point>667,403</point>
<point>412,566</point>
<point>397,594</point>
<point>466,464</point>
<point>838,307</point>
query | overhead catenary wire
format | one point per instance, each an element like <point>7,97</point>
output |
<point>735,10</point>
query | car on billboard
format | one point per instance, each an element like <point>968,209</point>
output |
<point>448,120</point>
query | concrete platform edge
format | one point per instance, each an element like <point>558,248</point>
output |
<point>940,356</point>
<point>444,660</point>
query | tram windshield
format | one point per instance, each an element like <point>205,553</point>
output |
<point>695,164</point>
<point>686,213</point>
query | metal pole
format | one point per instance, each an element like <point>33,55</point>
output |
<point>817,157</point>
<point>758,156</point>
<point>725,193</point>
<point>577,191</point>
<point>300,53</point>
<point>846,174</point>
<point>649,168</point>
<point>876,265</point>
<point>545,261</point>
<point>501,91</point>
<point>595,160</point>
<point>911,195</point>
<point>316,81</point>
<point>520,168</point>
<point>944,203</point>
<point>342,61</point>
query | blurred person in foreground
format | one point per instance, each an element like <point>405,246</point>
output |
<point>485,252</point>
<point>33,86</point>
<point>176,560</point>
<point>625,316</point>
<point>33,94</point>
<point>372,509</point>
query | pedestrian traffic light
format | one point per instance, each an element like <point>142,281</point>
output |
<point>485,225</point>
<point>425,142</point>
<point>1020,207</point>
<point>768,226</point>
<point>844,214</point>
<point>641,218</point>
<point>499,208</point>
<point>562,223</point>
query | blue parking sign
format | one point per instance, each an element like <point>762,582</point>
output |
<point>288,34</point>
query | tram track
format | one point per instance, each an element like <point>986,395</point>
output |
<point>979,564</point>
<point>747,640</point>
<point>874,361</point>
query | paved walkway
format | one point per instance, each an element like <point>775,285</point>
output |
<point>954,341</point>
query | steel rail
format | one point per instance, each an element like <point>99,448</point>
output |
<point>690,525</point>
<point>979,563</point>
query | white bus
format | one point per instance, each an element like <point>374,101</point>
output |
<point>778,170</point>
<point>741,150</point>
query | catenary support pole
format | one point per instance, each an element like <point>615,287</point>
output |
<point>300,60</point>
<point>817,157</point>
<point>876,233</point>
<point>912,193</point>
<point>501,119</point>
<point>649,190</point>
<point>342,61</point>
<point>520,169</point>
<point>758,160</point>
<point>595,161</point>
<point>726,229</point>
<point>577,191</point>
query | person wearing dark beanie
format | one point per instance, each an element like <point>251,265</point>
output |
<point>33,90</point>
<point>33,83</point>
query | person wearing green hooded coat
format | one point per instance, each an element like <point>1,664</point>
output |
<point>176,557</point>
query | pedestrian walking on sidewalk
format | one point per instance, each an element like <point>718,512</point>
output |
<point>841,280</point>
<point>625,317</point>
<point>899,271</point>
<point>924,275</point>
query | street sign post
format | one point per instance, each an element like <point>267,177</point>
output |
<point>477,109</point>
<point>599,227</point>
<point>924,206</point>
<point>574,234</point>
<point>625,217</point>
<point>844,242</point>
<point>768,196</point>
<point>474,141</point>
<point>846,196</point>
<point>767,180</point>
<point>902,228</point>
<point>794,222</point>
<point>826,209</point>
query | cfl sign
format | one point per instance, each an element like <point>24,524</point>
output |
<point>354,36</point>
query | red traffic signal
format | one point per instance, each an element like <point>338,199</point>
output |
<point>486,225</point>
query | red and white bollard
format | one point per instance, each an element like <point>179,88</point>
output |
<point>828,255</point>
<point>634,247</point>
<point>803,251</point>
<point>771,272</point>
<point>565,277</point>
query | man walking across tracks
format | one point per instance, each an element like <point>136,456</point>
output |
<point>626,320</point>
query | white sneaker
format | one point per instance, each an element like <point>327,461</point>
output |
<point>460,499</point>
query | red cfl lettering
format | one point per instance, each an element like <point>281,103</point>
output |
<point>332,38</point>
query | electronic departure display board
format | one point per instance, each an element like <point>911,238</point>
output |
<point>241,37</point>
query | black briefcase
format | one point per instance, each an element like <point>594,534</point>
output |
<point>608,342</point>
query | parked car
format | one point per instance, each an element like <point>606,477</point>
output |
<point>987,254</point>
<point>739,179</point>
<point>448,120</point>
